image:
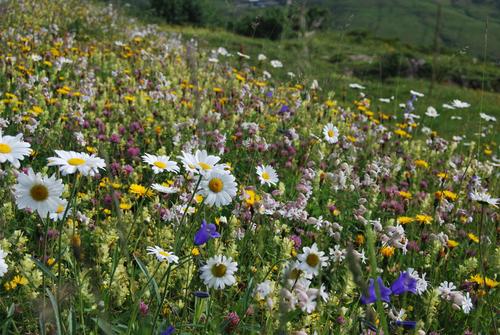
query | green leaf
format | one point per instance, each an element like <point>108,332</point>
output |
<point>105,326</point>
<point>152,282</point>
<point>55,309</point>
<point>10,314</point>
<point>45,269</point>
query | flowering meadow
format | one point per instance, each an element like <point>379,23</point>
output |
<point>150,186</point>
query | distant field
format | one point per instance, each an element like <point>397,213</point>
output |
<point>309,60</point>
<point>414,21</point>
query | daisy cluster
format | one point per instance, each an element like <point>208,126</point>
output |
<point>151,185</point>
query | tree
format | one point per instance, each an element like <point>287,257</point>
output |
<point>179,11</point>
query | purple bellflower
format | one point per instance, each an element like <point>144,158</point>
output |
<point>405,283</point>
<point>385,292</point>
<point>205,233</point>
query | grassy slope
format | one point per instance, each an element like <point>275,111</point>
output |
<point>310,60</point>
<point>414,21</point>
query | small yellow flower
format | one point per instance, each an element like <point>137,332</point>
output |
<point>473,237</point>
<point>422,218</point>
<point>125,206</point>
<point>405,194</point>
<point>405,219</point>
<point>140,190</point>
<point>452,244</point>
<point>421,163</point>
<point>443,175</point>
<point>360,239</point>
<point>491,283</point>
<point>195,252</point>
<point>387,251</point>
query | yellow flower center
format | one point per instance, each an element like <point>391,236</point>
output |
<point>39,192</point>
<point>265,176</point>
<point>312,260</point>
<point>159,164</point>
<point>5,148</point>
<point>164,253</point>
<point>76,161</point>
<point>60,209</point>
<point>205,166</point>
<point>215,185</point>
<point>331,133</point>
<point>219,270</point>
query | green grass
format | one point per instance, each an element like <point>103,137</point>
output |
<point>414,21</point>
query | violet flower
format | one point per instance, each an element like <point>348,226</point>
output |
<point>169,331</point>
<point>385,292</point>
<point>405,283</point>
<point>205,233</point>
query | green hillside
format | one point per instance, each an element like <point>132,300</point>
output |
<point>413,21</point>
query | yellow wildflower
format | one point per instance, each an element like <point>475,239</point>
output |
<point>423,218</point>
<point>405,219</point>
<point>140,190</point>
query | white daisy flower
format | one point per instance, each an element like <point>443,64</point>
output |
<point>13,149</point>
<point>160,163</point>
<point>431,112</point>
<point>261,57</point>
<point>312,259</point>
<point>448,106</point>
<point>243,55</point>
<point>58,214</point>
<point>484,198</point>
<point>200,162</point>
<point>460,104</point>
<point>331,133</point>
<point>70,162</point>
<point>357,86</point>
<point>276,63</point>
<point>222,51</point>
<point>267,175</point>
<point>162,255</point>
<point>487,117</point>
<point>219,272</point>
<point>218,188</point>
<point>37,192</point>
<point>95,163</point>
<point>3,265</point>
<point>417,94</point>
<point>164,188</point>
